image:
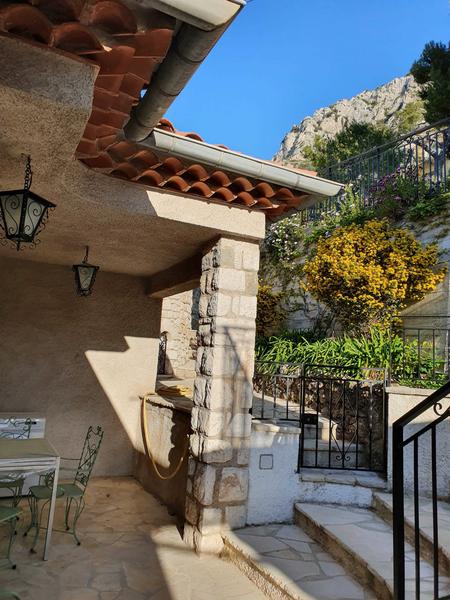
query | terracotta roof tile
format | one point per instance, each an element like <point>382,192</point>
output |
<point>128,47</point>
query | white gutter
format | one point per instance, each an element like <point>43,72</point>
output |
<point>204,14</point>
<point>235,162</point>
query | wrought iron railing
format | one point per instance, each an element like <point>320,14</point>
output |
<point>426,350</point>
<point>422,156</point>
<point>340,412</point>
<point>415,434</point>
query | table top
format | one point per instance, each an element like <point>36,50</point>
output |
<point>26,450</point>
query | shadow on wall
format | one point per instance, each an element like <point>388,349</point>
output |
<point>79,361</point>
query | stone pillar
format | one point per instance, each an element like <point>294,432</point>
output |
<point>218,467</point>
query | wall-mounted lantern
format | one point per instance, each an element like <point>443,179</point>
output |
<point>23,213</point>
<point>85,275</point>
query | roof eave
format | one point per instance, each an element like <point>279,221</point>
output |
<point>222,158</point>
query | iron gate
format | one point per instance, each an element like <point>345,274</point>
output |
<point>340,412</point>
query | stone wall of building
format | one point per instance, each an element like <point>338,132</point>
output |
<point>218,466</point>
<point>179,321</point>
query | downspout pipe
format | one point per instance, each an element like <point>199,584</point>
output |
<point>234,162</point>
<point>189,49</point>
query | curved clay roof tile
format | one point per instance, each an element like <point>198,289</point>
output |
<point>176,183</point>
<point>201,188</point>
<point>247,198</point>
<point>195,173</point>
<point>150,177</point>
<point>224,194</point>
<point>166,125</point>
<point>112,16</point>
<point>126,171</point>
<point>74,37</point>
<point>145,159</point>
<point>191,135</point>
<point>284,193</point>
<point>219,179</point>
<point>26,21</point>
<point>60,11</point>
<point>242,184</point>
<point>263,189</point>
<point>264,203</point>
<point>172,165</point>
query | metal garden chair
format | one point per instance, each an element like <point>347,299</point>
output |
<point>73,491</point>
<point>9,511</point>
<point>15,429</point>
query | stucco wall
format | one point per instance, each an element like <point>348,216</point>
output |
<point>169,424</point>
<point>80,361</point>
<point>401,400</point>
<point>275,485</point>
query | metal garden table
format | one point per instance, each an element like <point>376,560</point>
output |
<point>32,456</point>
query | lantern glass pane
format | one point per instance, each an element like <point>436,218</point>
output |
<point>11,210</point>
<point>33,214</point>
<point>85,274</point>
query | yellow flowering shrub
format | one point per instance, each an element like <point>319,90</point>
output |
<point>367,273</point>
<point>269,313</point>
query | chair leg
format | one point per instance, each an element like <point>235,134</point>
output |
<point>79,507</point>
<point>31,500</point>
<point>38,517</point>
<point>67,513</point>
<point>12,528</point>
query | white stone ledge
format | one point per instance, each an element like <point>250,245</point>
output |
<point>403,390</point>
<point>177,404</point>
<point>350,477</point>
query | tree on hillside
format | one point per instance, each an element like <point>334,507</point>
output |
<point>353,139</point>
<point>432,70</point>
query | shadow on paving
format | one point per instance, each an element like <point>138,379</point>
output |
<point>131,549</point>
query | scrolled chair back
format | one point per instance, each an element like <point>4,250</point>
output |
<point>89,455</point>
<point>14,428</point>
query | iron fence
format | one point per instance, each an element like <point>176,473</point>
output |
<point>422,157</point>
<point>425,357</point>
<point>340,412</point>
<point>415,443</point>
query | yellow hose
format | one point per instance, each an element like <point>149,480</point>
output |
<point>147,446</point>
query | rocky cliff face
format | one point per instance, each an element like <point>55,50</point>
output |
<point>381,105</point>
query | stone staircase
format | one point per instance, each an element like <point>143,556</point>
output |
<point>340,552</point>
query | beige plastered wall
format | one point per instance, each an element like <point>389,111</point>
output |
<point>79,361</point>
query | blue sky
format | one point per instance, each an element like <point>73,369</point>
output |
<point>282,59</point>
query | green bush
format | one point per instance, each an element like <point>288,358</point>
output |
<point>379,349</point>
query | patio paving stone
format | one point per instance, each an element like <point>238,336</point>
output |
<point>131,549</point>
<point>304,570</point>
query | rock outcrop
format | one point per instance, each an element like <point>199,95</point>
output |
<point>381,105</point>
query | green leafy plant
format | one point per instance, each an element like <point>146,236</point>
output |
<point>411,116</point>
<point>427,207</point>
<point>379,348</point>
<point>432,71</point>
<point>353,139</point>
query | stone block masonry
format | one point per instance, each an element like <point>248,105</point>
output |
<point>217,487</point>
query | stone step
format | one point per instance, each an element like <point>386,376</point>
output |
<point>340,487</point>
<point>362,542</point>
<point>286,564</point>
<point>382,503</point>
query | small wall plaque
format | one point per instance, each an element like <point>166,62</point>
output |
<point>266,462</point>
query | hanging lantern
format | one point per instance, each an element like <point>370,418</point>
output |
<point>23,213</point>
<point>85,275</point>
